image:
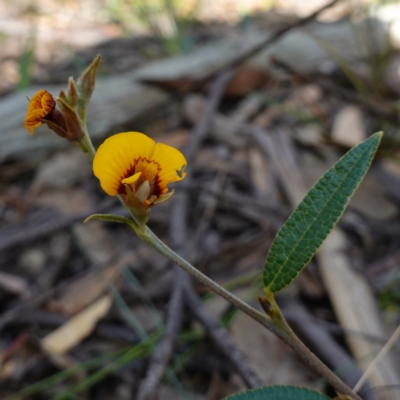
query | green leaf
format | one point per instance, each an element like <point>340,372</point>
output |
<point>315,217</point>
<point>110,218</point>
<point>278,392</point>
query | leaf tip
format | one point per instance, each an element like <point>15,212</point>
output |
<point>378,135</point>
<point>89,218</point>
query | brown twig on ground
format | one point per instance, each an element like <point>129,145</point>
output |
<point>215,330</point>
<point>266,205</point>
<point>378,108</point>
<point>26,306</point>
<point>42,223</point>
<point>203,126</point>
<point>246,54</point>
<point>221,337</point>
<point>164,350</point>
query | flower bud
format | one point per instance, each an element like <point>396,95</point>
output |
<point>72,97</point>
<point>86,82</point>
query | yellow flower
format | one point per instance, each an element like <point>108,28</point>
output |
<point>131,163</point>
<point>40,106</point>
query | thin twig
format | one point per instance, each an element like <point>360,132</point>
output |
<point>203,126</point>
<point>326,347</point>
<point>378,108</point>
<point>164,350</point>
<point>43,223</point>
<point>221,337</point>
<point>245,54</point>
<point>215,330</point>
<point>385,349</point>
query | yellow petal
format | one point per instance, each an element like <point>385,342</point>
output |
<point>116,157</point>
<point>172,163</point>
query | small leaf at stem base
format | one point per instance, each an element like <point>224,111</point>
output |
<point>110,218</point>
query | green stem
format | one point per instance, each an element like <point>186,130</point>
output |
<point>86,141</point>
<point>150,238</point>
<point>276,325</point>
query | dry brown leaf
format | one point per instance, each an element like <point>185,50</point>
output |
<point>8,368</point>
<point>261,173</point>
<point>309,135</point>
<point>305,96</point>
<point>77,328</point>
<point>266,118</point>
<point>247,108</point>
<point>14,284</point>
<point>63,170</point>
<point>68,201</point>
<point>176,138</point>
<point>348,127</point>
<point>391,166</point>
<point>370,200</point>
<point>17,356</point>
<point>84,291</point>
<point>223,128</point>
<point>98,245</point>
<point>273,360</point>
<point>247,79</point>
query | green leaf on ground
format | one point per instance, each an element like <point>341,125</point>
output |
<point>311,222</point>
<point>278,392</point>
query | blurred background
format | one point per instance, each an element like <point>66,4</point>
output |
<point>90,312</point>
